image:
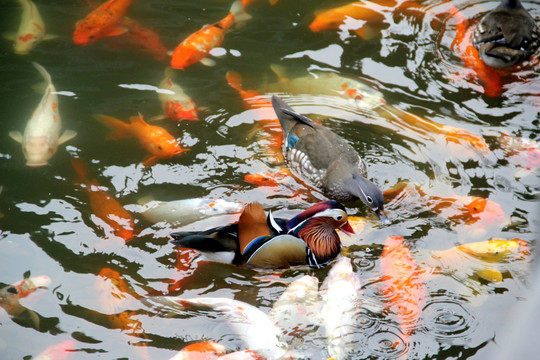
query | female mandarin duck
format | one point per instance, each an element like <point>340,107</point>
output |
<point>326,160</point>
<point>506,35</point>
<point>257,240</point>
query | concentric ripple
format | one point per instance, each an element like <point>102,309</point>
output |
<point>387,344</point>
<point>448,318</point>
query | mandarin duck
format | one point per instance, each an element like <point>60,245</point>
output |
<point>326,160</point>
<point>264,241</point>
<point>506,35</point>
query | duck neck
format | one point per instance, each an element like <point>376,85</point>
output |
<point>321,238</point>
<point>512,4</point>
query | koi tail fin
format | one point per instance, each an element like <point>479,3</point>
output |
<point>234,80</point>
<point>81,169</point>
<point>119,129</point>
<point>43,72</point>
<point>239,13</point>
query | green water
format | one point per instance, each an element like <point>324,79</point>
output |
<point>48,227</point>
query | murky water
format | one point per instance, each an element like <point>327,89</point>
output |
<point>49,228</point>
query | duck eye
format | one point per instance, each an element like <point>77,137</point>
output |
<point>369,199</point>
<point>339,217</point>
<point>159,147</point>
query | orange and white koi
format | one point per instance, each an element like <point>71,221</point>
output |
<point>41,136</point>
<point>154,139</point>
<point>370,13</point>
<point>488,77</point>
<point>341,296</point>
<point>402,278</point>
<point>60,351</point>
<point>31,30</point>
<point>176,103</point>
<point>252,325</point>
<point>210,350</point>
<point>265,115</point>
<point>104,206</point>
<point>197,46</point>
<point>106,20</point>
<point>10,295</point>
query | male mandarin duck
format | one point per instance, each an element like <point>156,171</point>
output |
<point>257,240</point>
<point>326,160</point>
<point>506,35</point>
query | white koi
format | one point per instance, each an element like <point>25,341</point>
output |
<point>42,133</point>
<point>252,325</point>
<point>340,293</point>
<point>176,104</point>
<point>31,30</point>
<point>186,211</point>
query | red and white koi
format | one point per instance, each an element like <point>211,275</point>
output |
<point>10,295</point>
<point>176,103</point>
<point>31,30</point>
<point>42,133</point>
<point>341,297</point>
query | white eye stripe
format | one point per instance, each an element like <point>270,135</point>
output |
<point>331,213</point>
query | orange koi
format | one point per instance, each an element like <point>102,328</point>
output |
<point>104,21</point>
<point>60,351</point>
<point>104,206</point>
<point>267,179</point>
<point>402,278</point>
<point>265,114</point>
<point>488,77</point>
<point>197,46</point>
<point>205,350</point>
<point>246,3</point>
<point>371,13</point>
<point>143,39</point>
<point>154,139</point>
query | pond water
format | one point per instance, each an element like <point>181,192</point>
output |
<point>49,227</point>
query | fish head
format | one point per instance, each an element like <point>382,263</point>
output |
<point>167,148</point>
<point>484,210</point>
<point>181,111</point>
<point>326,21</point>
<point>25,43</point>
<point>38,150</point>
<point>85,34</point>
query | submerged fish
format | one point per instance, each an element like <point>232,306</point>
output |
<point>186,211</point>
<point>252,325</point>
<point>341,301</point>
<point>298,308</point>
<point>156,140</point>
<point>103,205</point>
<point>210,350</point>
<point>176,103</point>
<point>365,18</point>
<point>42,132</point>
<point>402,279</point>
<point>61,351</point>
<point>522,152</point>
<point>31,30</point>
<point>106,20</point>
<point>197,46</point>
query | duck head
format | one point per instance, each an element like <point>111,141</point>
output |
<point>369,193</point>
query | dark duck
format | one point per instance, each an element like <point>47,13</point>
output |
<point>323,158</point>
<point>264,241</point>
<point>506,35</point>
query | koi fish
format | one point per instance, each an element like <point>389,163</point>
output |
<point>489,78</point>
<point>341,300</point>
<point>246,3</point>
<point>60,351</point>
<point>298,309</point>
<point>196,47</point>
<point>154,139</point>
<point>402,279</point>
<point>252,325</point>
<point>104,206</point>
<point>142,39</point>
<point>267,179</point>
<point>106,20</point>
<point>522,152</point>
<point>210,350</point>
<point>41,136</point>
<point>265,114</point>
<point>482,259</point>
<point>371,13</point>
<point>31,30</point>
<point>186,211</point>
<point>177,105</point>
<point>10,295</point>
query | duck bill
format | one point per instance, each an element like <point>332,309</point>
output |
<point>347,228</point>
<point>382,216</point>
